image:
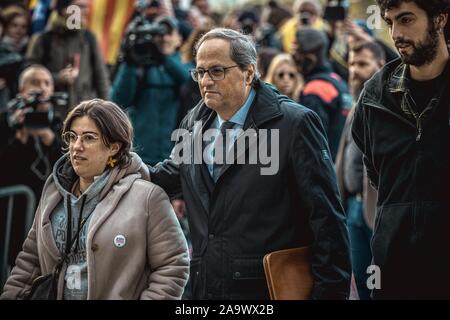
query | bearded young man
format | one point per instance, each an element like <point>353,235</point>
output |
<point>401,125</point>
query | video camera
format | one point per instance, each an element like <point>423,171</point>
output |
<point>336,10</point>
<point>140,45</point>
<point>37,119</point>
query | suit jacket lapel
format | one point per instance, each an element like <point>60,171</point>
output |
<point>199,179</point>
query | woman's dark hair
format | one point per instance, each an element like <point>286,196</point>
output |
<point>113,123</point>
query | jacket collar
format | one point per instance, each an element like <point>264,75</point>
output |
<point>398,84</point>
<point>399,79</point>
<point>265,106</point>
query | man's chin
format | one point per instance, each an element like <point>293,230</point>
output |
<point>357,83</point>
<point>211,103</point>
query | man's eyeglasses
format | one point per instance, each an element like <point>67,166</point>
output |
<point>215,73</point>
<point>87,139</point>
<point>282,74</point>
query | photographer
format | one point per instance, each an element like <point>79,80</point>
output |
<point>148,84</point>
<point>28,146</point>
<point>307,13</point>
<point>263,34</point>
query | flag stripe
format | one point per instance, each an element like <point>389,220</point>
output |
<point>124,10</point>
<point>108,20</point>
<point>97,18</point>
<point>110,8</point>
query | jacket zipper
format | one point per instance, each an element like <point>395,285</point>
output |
<point>419,123</point>
<point>419,118</point>
<point>419,127</point>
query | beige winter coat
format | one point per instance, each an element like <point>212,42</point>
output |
<point>154,262</point>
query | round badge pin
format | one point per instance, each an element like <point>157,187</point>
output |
<point>120,241</point>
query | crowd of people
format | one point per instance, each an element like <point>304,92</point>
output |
<point>362,152</point>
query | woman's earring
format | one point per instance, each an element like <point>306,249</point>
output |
<point>111,162</point>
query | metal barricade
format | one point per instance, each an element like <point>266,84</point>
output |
<point>11,193</point>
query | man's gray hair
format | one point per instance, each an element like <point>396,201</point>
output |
<point>242,47</point>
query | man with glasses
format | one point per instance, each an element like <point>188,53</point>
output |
<point>236,212</point>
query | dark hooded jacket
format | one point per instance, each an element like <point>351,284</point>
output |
<point>408,160</point>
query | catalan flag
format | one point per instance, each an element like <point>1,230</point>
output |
<point>108,20</point>
<point>32,4</point>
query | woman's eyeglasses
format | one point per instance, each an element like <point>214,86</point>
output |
<point>282,74</point>
<point>87,139</point>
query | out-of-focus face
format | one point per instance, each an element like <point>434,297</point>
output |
<point>285,79</point>
<point>88,153</point>
<point>415,36</point>
<point>305,62</point>
<point>362,66</point>
<point>17,29</point>
<point>229,93</point>
<point>308,13</point>
<point>203,6</point>
<point>38,80</point>
<point>170,41</point>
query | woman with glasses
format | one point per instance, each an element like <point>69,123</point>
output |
<point>114,232</point>
<point>283,74</point>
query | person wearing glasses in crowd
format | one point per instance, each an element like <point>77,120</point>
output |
<point>284,76</point>
<point>130,245</point>
<point>238,212</point>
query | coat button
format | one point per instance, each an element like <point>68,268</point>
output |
<point>211,236</point>
<point>237,274</point>
<point>94,247</point>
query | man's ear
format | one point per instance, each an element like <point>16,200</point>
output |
<point>251,73</point>
<point>441,21</point>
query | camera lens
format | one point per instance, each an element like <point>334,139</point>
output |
<point>305,18</point>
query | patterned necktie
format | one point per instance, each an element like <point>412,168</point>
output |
<point>220,145</point>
